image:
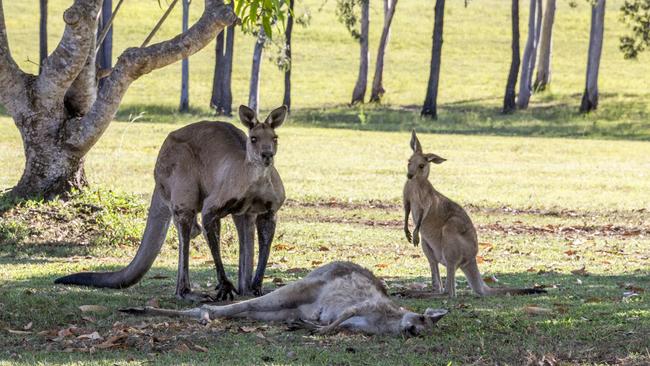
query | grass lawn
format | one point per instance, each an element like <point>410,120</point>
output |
<point>544,207</point>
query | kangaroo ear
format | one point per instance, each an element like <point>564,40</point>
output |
<point>433,158</point>
<point>435,314</point>
<point>247,116</point>
<point>277,117</point>
<point>415,143</point>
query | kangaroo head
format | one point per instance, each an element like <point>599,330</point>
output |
<point>419,162</point>
<point>262,143</point>
<point>414,324</point>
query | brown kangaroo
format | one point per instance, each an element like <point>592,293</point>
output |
<point>338,295</point>
<point>448,235</point>
<point>215,169</point>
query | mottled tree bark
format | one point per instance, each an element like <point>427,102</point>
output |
<point>528,60</point>
<point>185,65</point>
<point>430,107</point>
<point>377,82</point>
<point>509,104</point>
<point>359,92</point>
<point>42,35</point>
<point>286,100</point>
<point>59,113</point>
<point>543,75</point>
<point>590,95</point>
<point>254,87</point>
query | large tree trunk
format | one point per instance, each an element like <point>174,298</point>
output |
<point>377,82</point>
<point>42,47</point>
<point>221,100</point>
<point>430,107</point>
<point>509,104</point>
<point>543,76</point>
<point>60,114</point>
<point>359,92</point>
<point>528,60</point>
<point>185,65</point>
<point>590,96</point>
<point>287,72</point>
<point>254,88</point>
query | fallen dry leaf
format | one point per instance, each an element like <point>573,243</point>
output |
<point>93,309</point>
<point>152,302</point>
<point>94,336</point>
<point>570,252</point>
<point>580,272</point>
<point>18,332</point>
<point>490,279</point>
<point>282,246</point>
<point>536,310</point>
<point>247,329</point>
<point>200,348</point>
<point>486,247</point>
<point>479,259</point>
<point>159,277</point>
<point>323,248</point>
<point>182,348</point>
<point>111,342</point>
<point>381,265</point>
<point>28,326</point>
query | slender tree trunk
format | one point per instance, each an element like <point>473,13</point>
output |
<point>105,52</point>
<point>543,76</point>
<point>185,66</point>
<point>377,82</point>
<point>530,51</point>
<point>590,96</point>
<point>359,92</point>
<point>42,35</point>
<point>226,86</point>
<point>59,113</point>
<point>254,88</point>
<point>221,100</point>
<point>287,72</point>
<point>509,104</point>
<point>217,79</point>
<point>430,107</point>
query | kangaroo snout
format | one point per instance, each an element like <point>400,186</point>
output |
<point>267,157</point>
<point>409,175</point>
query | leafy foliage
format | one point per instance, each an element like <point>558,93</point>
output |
<point>636,14</point>
<point>346,13</point>
<point>268,14</point>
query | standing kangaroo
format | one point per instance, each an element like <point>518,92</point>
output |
<point>338,295</point>
<point>448,235</point>
<point>215,169</point>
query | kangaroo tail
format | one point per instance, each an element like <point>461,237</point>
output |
<point>154,236</point>
<point>478,285</point>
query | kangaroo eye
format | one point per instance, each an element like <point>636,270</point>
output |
<point>421,166</point>
<point>253,139</point>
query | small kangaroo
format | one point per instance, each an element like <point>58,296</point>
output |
<point>338,295</point>
<point>448,235</point>
<point>215,169</point>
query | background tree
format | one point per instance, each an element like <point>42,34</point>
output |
<point>543,75</point>
<point>59,113</point>
<point>185,65</point>
<point>254,87</point>
<point>430,107</point>
<point>636,14</point>
<point>359,91</point>
<point>42,35</point>
<point>286,100</point>
<point>221,100</point>
<point>377,82</point>
<point>590,95</point>
<point>105,48</point>
<point>530,54</point>
<point>509,104</point>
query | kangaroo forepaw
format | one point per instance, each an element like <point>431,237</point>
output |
<point>257,290</point>
<point>408,235</point>
<point>226,291</point>
<point>416,239</point>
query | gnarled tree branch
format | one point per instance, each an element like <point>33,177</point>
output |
<point>12,78</point>
<point>84,132</point>
<point>62,67</point>
<point>82,94</point>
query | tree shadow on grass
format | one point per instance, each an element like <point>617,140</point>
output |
<point>618,118</point>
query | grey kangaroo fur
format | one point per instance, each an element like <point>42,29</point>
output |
<point>215,169</point>
<point>338,295</point>
<point>448,234</point>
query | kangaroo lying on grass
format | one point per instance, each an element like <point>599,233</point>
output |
<point>338,295</point>
<point>215,169</point>
<point>448,235</point>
